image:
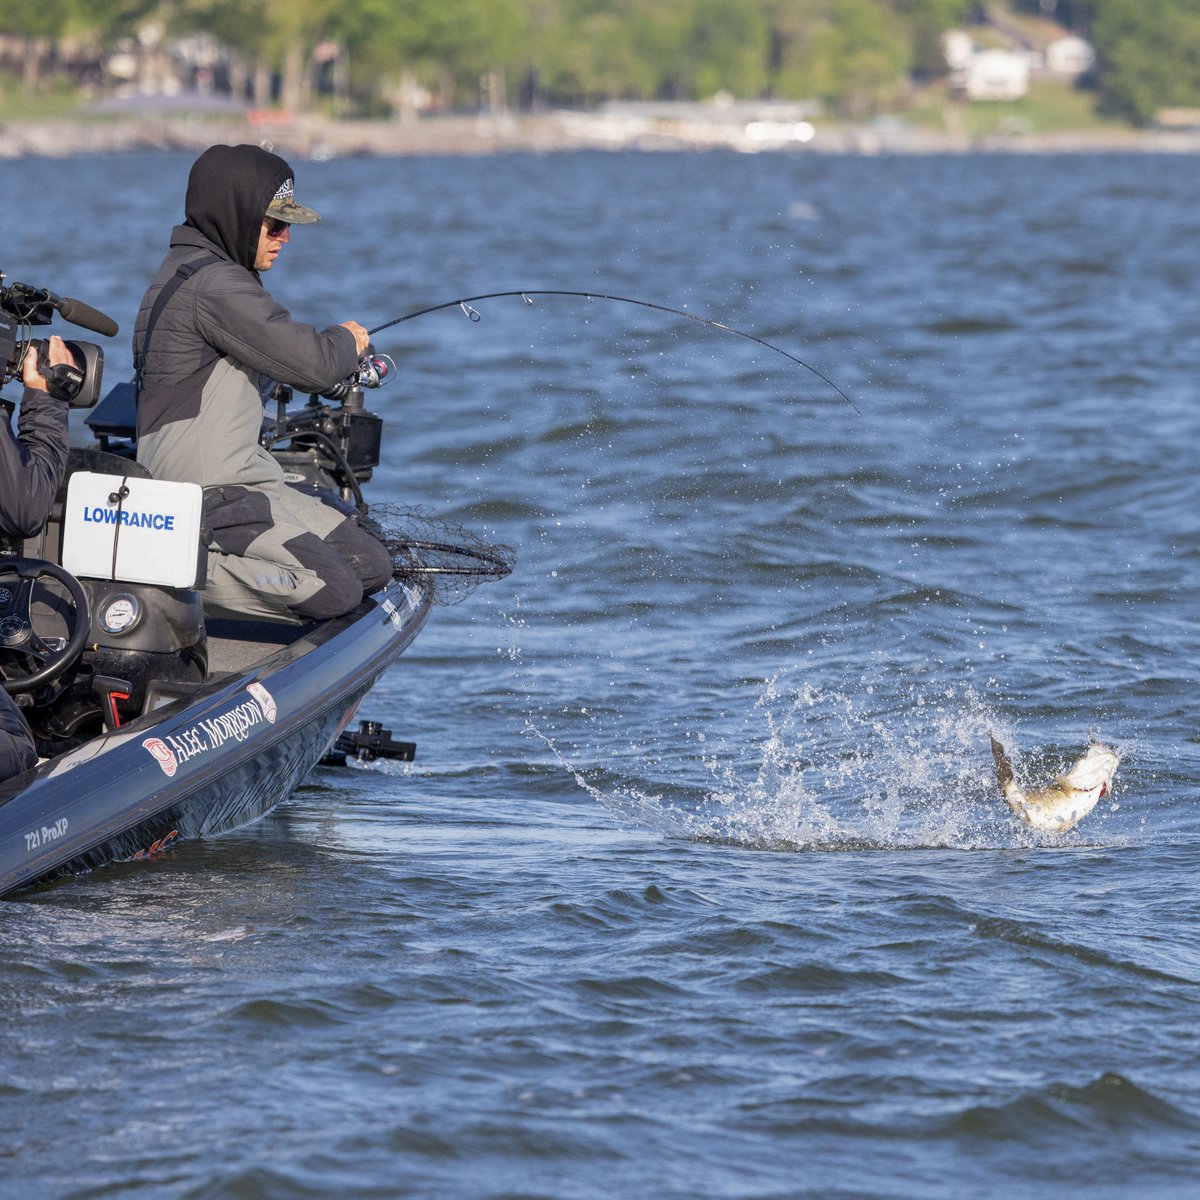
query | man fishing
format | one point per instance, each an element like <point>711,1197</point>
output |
<point>207,330</point>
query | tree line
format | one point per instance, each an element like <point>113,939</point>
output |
<point>375,56</point>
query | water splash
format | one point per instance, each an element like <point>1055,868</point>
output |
<point>828,769</point>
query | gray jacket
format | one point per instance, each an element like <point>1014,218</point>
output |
<point>200,410</point>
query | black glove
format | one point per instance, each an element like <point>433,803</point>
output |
<point>63,380</point>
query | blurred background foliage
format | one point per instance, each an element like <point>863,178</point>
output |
<point>400,57</point>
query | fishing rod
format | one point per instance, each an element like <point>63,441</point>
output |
<point>466,302</point>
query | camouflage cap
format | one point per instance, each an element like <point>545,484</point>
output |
<point>285,208</point>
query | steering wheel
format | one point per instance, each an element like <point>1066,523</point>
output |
<point>17,633</point>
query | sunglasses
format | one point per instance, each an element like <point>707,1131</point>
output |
<point>276,227</point>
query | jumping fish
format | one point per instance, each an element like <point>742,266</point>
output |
<point>1069,799</point>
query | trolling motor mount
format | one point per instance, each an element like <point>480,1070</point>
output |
<point>371,741</point>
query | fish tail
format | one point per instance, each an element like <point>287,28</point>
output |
<point>1004,773</point>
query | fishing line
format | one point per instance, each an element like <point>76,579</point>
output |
<point>466,302</point>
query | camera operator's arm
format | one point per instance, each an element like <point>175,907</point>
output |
<point>33,461</point>
<point>17,752</point>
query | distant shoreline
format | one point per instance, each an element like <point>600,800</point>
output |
<point>321,138</point>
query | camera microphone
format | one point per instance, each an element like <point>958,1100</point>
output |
<point>85,316</point>
<point>74,311</point>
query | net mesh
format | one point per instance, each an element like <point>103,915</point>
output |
<point>430,551</point>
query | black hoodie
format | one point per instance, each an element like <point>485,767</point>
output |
<point>228,191</point>
<point>199,408</point>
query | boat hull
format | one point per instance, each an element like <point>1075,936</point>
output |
<point>204,766</point>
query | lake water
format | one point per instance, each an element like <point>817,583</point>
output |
<point>701,884</point>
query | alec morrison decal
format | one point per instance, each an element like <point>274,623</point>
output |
<point>175,749</point>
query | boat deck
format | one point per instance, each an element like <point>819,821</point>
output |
<point>235,646</point>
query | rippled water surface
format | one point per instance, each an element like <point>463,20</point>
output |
<point>700,884</point>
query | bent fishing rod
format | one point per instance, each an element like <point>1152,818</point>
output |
<point>466,302</point>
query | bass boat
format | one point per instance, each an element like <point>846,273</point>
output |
<point>154,723</point>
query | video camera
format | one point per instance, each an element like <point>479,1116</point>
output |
<point>23,306</point>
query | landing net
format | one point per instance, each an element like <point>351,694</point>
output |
<point>428,550</point>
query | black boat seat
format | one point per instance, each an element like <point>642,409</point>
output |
<point>115,416</point>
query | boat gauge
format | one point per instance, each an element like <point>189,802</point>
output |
<point>121,614</point>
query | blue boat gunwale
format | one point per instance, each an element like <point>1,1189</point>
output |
<point>293,676</point>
